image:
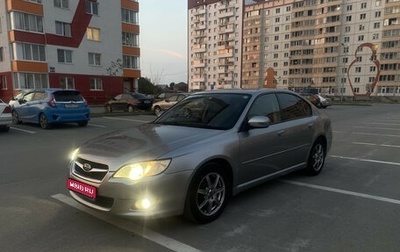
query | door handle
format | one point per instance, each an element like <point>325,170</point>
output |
<point>311,125</point>
<point>281,133</point>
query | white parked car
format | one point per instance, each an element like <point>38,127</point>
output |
<point>5,116</point>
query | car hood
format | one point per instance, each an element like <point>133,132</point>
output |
<point>142,143</point>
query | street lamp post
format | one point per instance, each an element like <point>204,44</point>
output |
<point>345,50</point>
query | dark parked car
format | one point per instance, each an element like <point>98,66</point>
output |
<point>317,99</point>
<point>130,102</point>
<point>50,106</point>
<point>196,155</point>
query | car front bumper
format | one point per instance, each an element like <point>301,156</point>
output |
<point>165,194</point>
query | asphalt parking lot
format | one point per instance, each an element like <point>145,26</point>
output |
<point>353,205</point>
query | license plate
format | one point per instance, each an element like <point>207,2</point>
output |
<point>71,105</point>
<point>82,188</point>
<point>146,101</point>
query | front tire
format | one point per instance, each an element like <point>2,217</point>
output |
<point>157,111</point>
<point>316,159</point>
<point>82,123</point>
<point>209,193</point>
<point>15,117</point>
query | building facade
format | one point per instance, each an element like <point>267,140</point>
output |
<point>215,44</point>
<point>338,47</point>
<point>89,45</point>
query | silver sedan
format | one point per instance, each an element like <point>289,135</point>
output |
<point>195,156</point>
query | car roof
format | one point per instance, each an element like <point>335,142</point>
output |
<point>246,91</point>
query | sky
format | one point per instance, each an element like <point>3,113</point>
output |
<point>163,40</point>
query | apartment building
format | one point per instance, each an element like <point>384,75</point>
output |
<point>89,45</point>
<point>346,48</point>
<point>342,48</point>
<point>215,44</point>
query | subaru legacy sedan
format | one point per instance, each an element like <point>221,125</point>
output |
<point>47,107</point>
<point>196,155</point>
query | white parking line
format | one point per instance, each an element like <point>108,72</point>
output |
<point>351,193</point>
<point>96,125</point>
<point>376,128</point>
<point>366,160</point>
<point>380,145</point>
<point>160,239</point>
<point>123,119</point>
<point>26,131</point>
<point>363,133</point>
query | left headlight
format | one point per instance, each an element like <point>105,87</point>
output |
<point>74,154</point>
<point>140,170</point>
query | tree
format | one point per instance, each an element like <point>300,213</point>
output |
<point>145,86</point>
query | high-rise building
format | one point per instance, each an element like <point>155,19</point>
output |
<point>92,46</point>
<point>337,47</point>
<point>215,44</point>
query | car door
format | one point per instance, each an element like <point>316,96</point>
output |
<point>261,148</point>
<point>23,107</point>
<point>298,124</point>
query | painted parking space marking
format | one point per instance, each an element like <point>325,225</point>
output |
<point>351,193</point>
<point>124,119</point>
<point>148,234</point>
<point>366,160</point>
<point>97,125</point>
<point>23,130</point>
<point>376,128</point>
<point>368,134</point>
<point>380,145</point>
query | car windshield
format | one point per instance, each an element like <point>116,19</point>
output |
<point>214,111</point>
<point>139,96</point>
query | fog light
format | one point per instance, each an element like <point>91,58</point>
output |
<point>143,204</point>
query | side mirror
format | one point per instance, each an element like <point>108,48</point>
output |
<point>259,122</point>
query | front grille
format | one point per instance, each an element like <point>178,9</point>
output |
<point>96,172</point>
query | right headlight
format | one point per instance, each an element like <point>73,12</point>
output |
<point>140,170</point>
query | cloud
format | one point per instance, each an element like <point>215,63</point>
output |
<point>172,53</point>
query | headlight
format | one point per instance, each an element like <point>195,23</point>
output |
<point>140,170</point>
<point>74,154</point>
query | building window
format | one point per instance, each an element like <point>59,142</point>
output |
<point>356,90</point>
<point>29,52</point>
<point>357,80</point>
<point>361,38</point>
<point>61,3</point>
<point>26,22</point>
<point>130,16</point>
<point>363,5</point>
<point>3,82</point>
<point>94,59</point>
<point>1,54</point>
<point>131,62</point>
<point>93,34</point>
<point>377,14</point>
<point>348,18</point>
<point>30,80</point>
<point>130,39</point>
<point>349,7</point>
<point>63,29</point>
<point>64,56</point>
<point>67,83</point>
<point>35,1</point>
<point>377,25</point>
<point>358,69</point>
<point>361,27</point>
<point>92,7</point>
<point>363,16</point>
<point>96,84</point>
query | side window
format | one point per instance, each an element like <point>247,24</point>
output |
<point>266,105</point>
<point>39,96</point>
<point>293,107</point>
<point>28,97</point>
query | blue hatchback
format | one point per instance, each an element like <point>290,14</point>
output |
<point>50,106</point>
